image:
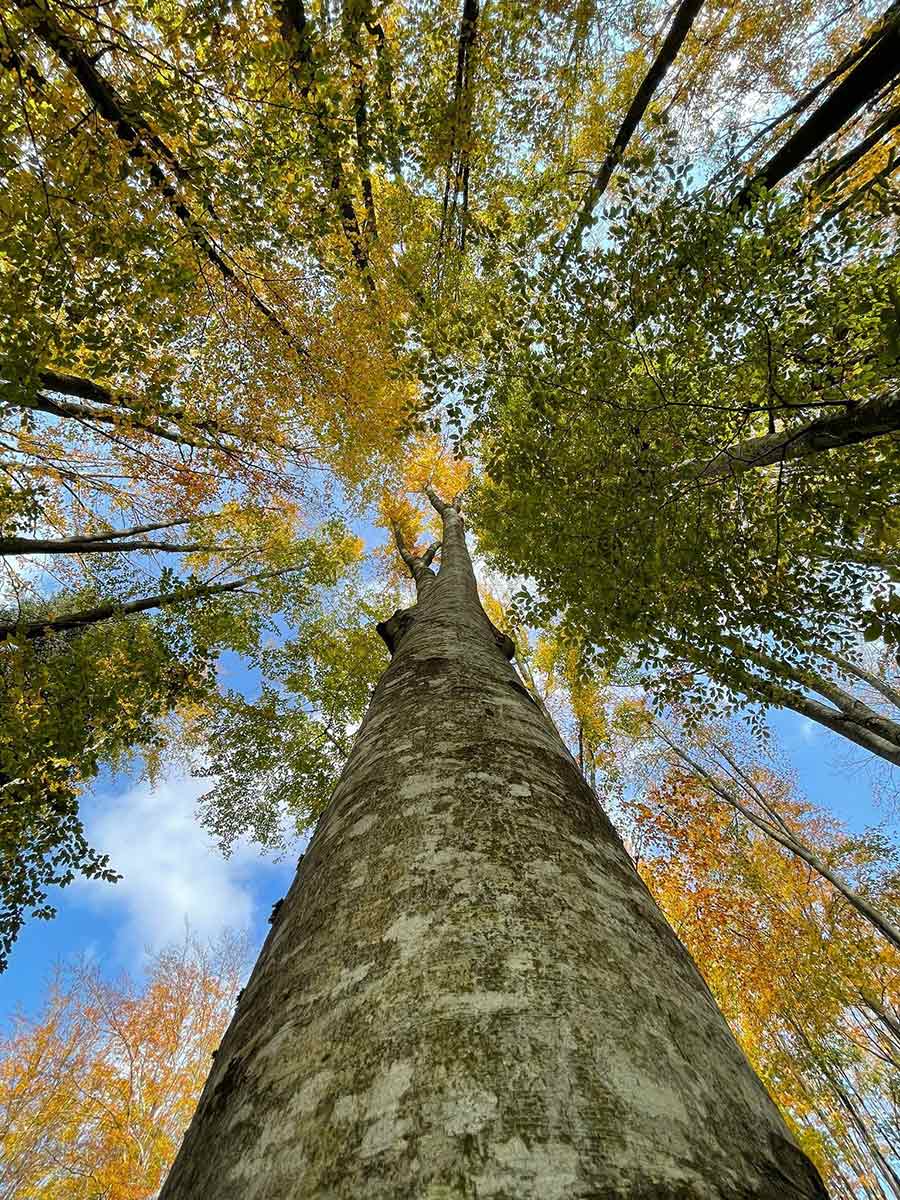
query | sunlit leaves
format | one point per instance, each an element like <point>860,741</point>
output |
<point>96,1092</point>
<point>70,703</point>
<point>694,332</point>
<point>808,987</point>
<point>275,756</point>
<point>430,464</point>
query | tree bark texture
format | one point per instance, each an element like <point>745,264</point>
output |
<point>468,992</point>
<point>875,418</point>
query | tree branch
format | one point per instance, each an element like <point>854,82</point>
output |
<point>440,506</point>
<point>295,31</point>
<point>862,47</point>
<point>869,420</point>
<point>879,178</point>
<point>408,557</point>
<point>840,166</point>
<point>18,545</point>
<point>200,433</point>
<point>64,408</point>
<point>429,554</point>
<point>678,31</point>
<point>134,531</point>
<point>93,616</point>
<point>768,691</point>
<point>144,145</point>
<point>89,389</point>
<point>892,695</point>
<point>878,66</point>
<point>852,708</point>
<point>457,178</point>
<point>417,565</point>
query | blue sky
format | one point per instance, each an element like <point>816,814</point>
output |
<point>836,775</point>
<point>174,874</point>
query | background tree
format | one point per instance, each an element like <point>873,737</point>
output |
<point>88,684</point>
<point>96,1091</point>
<point>809,987</point>
<point>620,443</point>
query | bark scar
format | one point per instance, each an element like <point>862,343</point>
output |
<point>506,644</point>
<point>394,628</point>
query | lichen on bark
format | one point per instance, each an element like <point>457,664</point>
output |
<point>469,992</point>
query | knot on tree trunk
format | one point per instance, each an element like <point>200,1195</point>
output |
<point>505,642</point>
<point>392,630</point>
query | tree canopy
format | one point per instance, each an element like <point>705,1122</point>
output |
<point>626,273</point>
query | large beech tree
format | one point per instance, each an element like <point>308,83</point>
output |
<point>256,246</point>
<point>468,986</point>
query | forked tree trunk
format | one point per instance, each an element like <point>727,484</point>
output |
<point>468,992</point>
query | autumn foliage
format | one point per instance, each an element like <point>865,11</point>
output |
<point>811,991</point>
<point>96,1093</point>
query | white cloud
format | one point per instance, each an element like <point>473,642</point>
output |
<point>172,871</point>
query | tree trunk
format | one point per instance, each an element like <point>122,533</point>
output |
<point>773,826</point>
<point>468,992</point>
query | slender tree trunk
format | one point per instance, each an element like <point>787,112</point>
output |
<point>877,682</point>
<point>93,616</point>
<point>468,992</point>
<point>849,717</point>
<point>773,826</point>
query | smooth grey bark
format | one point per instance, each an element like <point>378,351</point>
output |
<point>848,706</point>
<point>468,992</point>
<point>877,682</point>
